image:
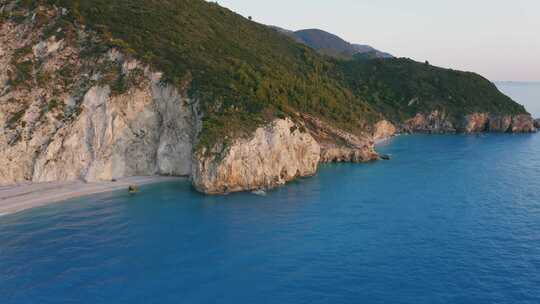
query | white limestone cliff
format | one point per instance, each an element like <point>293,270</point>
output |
<point>274,155</point>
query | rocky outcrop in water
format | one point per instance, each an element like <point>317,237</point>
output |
<point>522,124</point>
<point>274,155</point>
<point>281,152</point>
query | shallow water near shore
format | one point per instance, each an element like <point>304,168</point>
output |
<point>450,219</point>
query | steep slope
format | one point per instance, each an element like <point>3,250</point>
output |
<point>241,72</point>
<point>422,97</point>
<point>72,109</point>
<point>78,103</point>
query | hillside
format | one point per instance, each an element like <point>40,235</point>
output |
<point>241,71</point>
<point>401,88</point>
<point>104,89</point>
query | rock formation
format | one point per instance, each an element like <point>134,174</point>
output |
<point>341,146</point>
<point>70,118</point>
<point>434,122</point>
<point>383,130</point>
<point>439,122</point>
<point>275,154</point>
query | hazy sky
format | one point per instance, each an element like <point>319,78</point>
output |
<point>499,39</point>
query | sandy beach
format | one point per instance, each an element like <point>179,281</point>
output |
<point>21,197</point>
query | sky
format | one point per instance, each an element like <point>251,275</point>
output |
<point>499,39</point>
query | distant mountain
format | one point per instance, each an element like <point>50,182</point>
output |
<point>332,45</point>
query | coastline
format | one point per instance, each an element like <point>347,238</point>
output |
<point>17,198</point>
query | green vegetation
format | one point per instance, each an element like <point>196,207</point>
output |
<point>22,73</point>
<point>400,88</point>
<point>244,73</point>
<point>23,68</point>
<point>3,17</point>
<point>15,118</point>
<point>43,77</point>
<point>54,104</point>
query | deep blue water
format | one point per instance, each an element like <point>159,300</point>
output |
<point>450,219</point>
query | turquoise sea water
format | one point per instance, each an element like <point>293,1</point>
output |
<point>450,219</point>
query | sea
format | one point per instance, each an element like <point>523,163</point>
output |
<point>450,219</point>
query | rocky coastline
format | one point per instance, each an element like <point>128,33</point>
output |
<point>281,152</point>
<point>73,117</point>
<point>439,122</point>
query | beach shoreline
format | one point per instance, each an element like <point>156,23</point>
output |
<point>17,198</point>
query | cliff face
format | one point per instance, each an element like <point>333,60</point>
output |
<point>65,115</point>
<point>281,152</point>
<point>439,122</point>
<point>77,111</point>
<point>274,155</point>
<point>147,131</point>
<point>383,130</point>
<point>340,146</point>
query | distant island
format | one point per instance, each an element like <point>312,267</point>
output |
<point>99,90</point>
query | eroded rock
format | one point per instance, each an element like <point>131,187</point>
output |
<point>437,122</point>
<point>383,130</point>
<point>274,155</point>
